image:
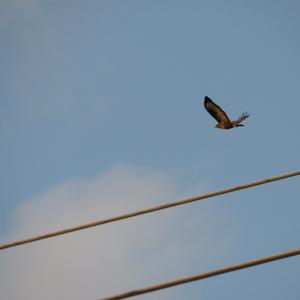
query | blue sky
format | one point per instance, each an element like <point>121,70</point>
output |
<point>98,93</point>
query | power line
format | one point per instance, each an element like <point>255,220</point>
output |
<point>200,276</point>
<point>146,211</point>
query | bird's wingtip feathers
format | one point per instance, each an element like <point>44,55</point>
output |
<point>206,99</point>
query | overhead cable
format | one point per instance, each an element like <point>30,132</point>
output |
<point>146,211</point>
<point>200,276</point>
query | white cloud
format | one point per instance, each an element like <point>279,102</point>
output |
<point>115,257</point>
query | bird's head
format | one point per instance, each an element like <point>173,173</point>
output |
<point>217,125</point>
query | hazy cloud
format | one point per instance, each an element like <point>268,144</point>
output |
<point>14,10</point>
<point>114,257</point>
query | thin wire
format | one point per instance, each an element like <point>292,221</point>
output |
<point>200,276</point>
<point>146,211</point>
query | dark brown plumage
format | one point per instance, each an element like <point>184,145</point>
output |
<point>219,114</point>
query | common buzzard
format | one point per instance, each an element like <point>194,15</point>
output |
<point>218,113</point>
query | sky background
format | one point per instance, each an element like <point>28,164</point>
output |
<point>101,113</point>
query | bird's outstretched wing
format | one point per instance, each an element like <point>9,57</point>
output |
<point>237,122</point>
<point>216,111</point>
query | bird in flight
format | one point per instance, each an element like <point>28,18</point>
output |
<point>219,114</point>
